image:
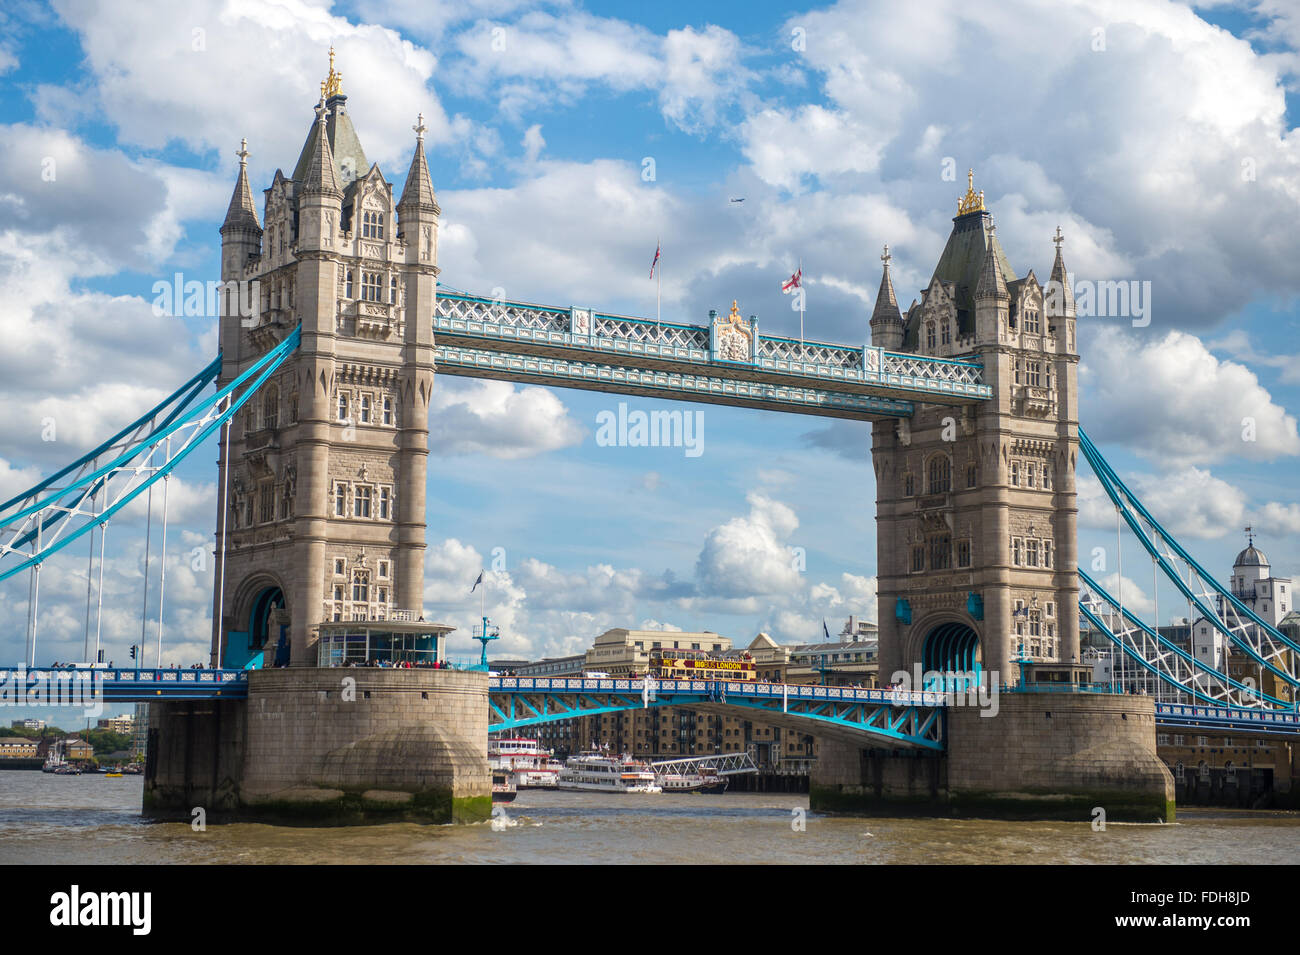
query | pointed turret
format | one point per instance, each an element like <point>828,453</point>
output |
<point>242,213</point>
<point>320,175</point>
<point>1060,297</point>
<point>886,320</point>
<point>418,191</point>
<point>992,285</point>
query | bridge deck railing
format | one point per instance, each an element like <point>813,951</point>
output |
<point>775,691</point>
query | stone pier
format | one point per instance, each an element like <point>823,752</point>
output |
<point>326,747</point>
<point>1044,756</point>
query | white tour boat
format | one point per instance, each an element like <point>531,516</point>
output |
<point>608,774</point>
<point>524,761</point>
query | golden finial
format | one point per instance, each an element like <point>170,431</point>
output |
<point>330,85</point>
<point>735,311</point>
<point>972,201</point>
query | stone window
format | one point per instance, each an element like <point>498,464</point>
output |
<point>1032,374</point>
<point>939,476</point>
<point>1015,474</point>
<point>1016,365</point>
<point>1031,320</point>
<point>940,552</point>
<point>383,568</point>
<point>361,587</point>
<point>271,408</point>
<point>1047,478</point>
<point>963,553</point>
<point>338,566</point>
<point>385,503</point>
<point>347,284</point>
<point>361,504</point>
<point>1031,476</point>
<point>972,475</point>
<point>343,406</point>
<point>392,290</point>
<point>918,559</point>
<point>929,335</point>
<point>293,408</point>
<point>370,285</point>
<point>1047,553</point>
<point>340,499</point>
<point>945,332</point>
<point>388,409</point>
<point>364,413</point>
<point>266,503</point>
<point>372,225</point>
<point>1031,553</point>
<point>1015,551</point>
<point>909,485</point>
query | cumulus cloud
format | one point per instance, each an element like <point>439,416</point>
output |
<point>1170,399</point>
<point>750,556</point>
<point>1189,503</point>
<point>499,419</point>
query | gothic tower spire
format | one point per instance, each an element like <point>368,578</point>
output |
<point>886,320</point>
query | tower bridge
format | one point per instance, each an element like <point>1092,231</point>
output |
<point>321,411</point>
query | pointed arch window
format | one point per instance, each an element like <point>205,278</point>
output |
<point>939,475</point>
<point>929,335</point>
<point>372,225</point>
<point>347,284</point>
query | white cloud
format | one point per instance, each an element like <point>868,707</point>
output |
<point>1136,600</point>
<point>750,556</point>
<point>499,419</point>
<point>207,73</point>
<point>1189,502</point>
<point>1171,400</point>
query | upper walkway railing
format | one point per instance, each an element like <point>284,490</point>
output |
<point>730,348</point>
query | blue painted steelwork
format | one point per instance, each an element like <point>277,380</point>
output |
<point>47,686</point>
<point>1263,643</point>
<point>50,518</point>
<point>591,349</point>
<point>1174,666</point>
<point>897,717</point>
<point>1266,722</point>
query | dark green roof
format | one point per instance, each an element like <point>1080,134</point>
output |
<point>349,158</point>
<point>961,263</point>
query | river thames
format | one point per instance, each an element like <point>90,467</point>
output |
<point>95,820</point>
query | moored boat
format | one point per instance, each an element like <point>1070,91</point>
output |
<point>610,774</point>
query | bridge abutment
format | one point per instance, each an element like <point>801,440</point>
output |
<point>326,747</point>
<point>1043,756</point>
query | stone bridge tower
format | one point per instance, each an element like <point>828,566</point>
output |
<point>324,516</point>
<point>976,510</point>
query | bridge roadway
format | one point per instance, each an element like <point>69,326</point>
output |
<point>908,719</point>
<point>727,362</point>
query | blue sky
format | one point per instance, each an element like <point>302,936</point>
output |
<point>1160,137</point>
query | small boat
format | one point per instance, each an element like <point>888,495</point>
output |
<point>705,781</point>
<point>503,788</point>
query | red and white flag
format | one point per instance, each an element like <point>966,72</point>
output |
<point>655,262</point>
<point>796,281</point>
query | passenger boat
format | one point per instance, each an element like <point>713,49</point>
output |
<point>705,781</point>
<point>503,789</point>
<point>525,762</point>
<point>608,774</point>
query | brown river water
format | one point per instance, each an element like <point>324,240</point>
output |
<point>96,820</point>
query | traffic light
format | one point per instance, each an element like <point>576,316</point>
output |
<point>133,651</point>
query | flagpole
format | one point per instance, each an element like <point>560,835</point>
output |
<point>801,301</point>
<point>659,285</point>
